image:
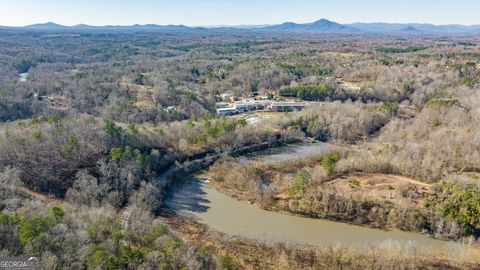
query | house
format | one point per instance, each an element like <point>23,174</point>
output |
<point>171,108</point>
<point>228,96</point>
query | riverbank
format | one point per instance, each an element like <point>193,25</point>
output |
<point>357,198</point>
<point>311,186</point>
<point>263,255</point>
<point>228,215</point>
<point>265,179</point>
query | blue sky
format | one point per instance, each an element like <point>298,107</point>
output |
<point>236,12</point>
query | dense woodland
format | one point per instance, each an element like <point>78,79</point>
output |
<point>91,121</point>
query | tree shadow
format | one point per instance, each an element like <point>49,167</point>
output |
<point>188,196</point>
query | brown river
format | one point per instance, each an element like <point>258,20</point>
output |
<point>233,217</point>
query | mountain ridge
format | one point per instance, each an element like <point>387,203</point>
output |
<point>322,25</point>
<point>319,26</point>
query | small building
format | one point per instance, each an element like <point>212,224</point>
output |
<point>38,96</point>
<point>228,96</point>
<point>227,111</point>
<point>245,107</point>
<point>287,106</point>
<point>251,105</point>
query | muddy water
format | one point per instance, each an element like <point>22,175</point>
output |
<point>233,217</point>
<point>289,152</point>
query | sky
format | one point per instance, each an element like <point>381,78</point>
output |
<point>236,12</point>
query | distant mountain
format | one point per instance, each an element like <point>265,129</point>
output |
<point>83,27</point>
<point>322,25</point>
<point>288,26</point>
<point>159,27</point>
<point>46,26</point>
<point>410,30</point>
<point>50,26</point>
<point>241,26</point>
<point>415,27</point>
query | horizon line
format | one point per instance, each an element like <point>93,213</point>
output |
<point>230,25</point>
